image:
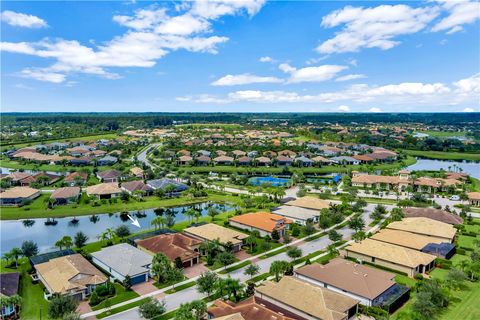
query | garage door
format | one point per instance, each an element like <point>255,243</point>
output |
<point>137,279</point>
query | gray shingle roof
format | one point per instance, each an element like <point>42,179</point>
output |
<point>125,259</point>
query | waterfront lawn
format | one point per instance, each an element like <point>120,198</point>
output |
<point>38,208</point>
<point>121,295</point>
<point>443,155</point>
<point>465,241</point>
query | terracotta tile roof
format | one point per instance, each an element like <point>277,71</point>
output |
<point>71,177</point>
<point>185,158</point>
<point>363,157</point>
<point>318,302</point>
<point>103,189</point>
<point>244,159</point>
<point>321,159</point>
<point>404,238</point>
<point>431,213</point>
<point>69,272</point>
<point>263,160</point>
<point>352,277</point>
<point>261,220</point>
<point>223,159</point>
<point>65,193</point>
<point>284,159</point>
<point>425,226</point>
<point>172,245</point>
<point>19,192</point>
<point>109,174</point>
<point>17,176</point>
<point>309,203</point>
<point>136,171</point>
<point>253,308</point>
<point>137,185</point>
<point>473,195</point>
<point>203,159</point>
<point>392,253</point>
<point>211,231</point>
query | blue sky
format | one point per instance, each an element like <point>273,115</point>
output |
<point>240,56</point>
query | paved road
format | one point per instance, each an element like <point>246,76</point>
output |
<point>173,301</point>
<point>142,156</point>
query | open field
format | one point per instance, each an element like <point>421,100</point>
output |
<point>88,138</point>
<point>38,208</point>
<point>443,155</point>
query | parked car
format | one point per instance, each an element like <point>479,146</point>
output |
<point>455,198</point>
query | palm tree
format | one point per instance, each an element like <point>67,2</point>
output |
<point>159,222</point>
<point>190,214</point>
<point>233,287</point>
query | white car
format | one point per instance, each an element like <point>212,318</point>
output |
<point>455,198</point>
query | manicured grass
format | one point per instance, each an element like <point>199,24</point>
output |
<point>438,273</point>
<point>120,309</point>
<point>120,295</point>
<point>260,277</point>
<point>181,287</point>
<point>472,228</point>
<point>443,155</point>
<point>238,266</point>
<point>464,304</point>
<point>465,241</point>
<point>38,208</point>
<point>404,280</point>
<point>456,259</point>
<point>164,285</point>
<point>274,253</point>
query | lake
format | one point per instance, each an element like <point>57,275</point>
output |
<point>472,168</point>
<point>14,232</point>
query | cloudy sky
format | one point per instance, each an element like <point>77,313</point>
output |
<point>240,56</point>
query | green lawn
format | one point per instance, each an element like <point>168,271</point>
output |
<point>438,273</point>
<point>472,228</point>
<point>38,208</point>
<point>465,241</point>
<point>443,155</point>
<point>120,295</point>
<point>404,280</point>
<point>120,309</point>
<point>93,137</point>
<point>456,259</point>
<point>464,304</point>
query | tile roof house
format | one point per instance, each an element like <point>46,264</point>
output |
<point>320,159</point>
<point>283,160</point>
<point>408,261</point>
<point>238,153</point>
<point>137,172</point>
<point>474,198</point>
<point>371,286</point>
<point>65,195</point>
<point>76,178</point>
<point>132,187</point>
<point>72,275</point>
<point>183,160</point>
<point>244,160</point>
<point>298,215</point>
<point>211,232</point>
<point>9,284</point>
<point>223,160</point>
<point>253,308</point>
<point>107,161</point>
<point>309,202</point>
<point>427,227</point>
<point>307,300</point>
<point>109,176</point>
<point>263,161</point>
<point>16,195</point>
<point>431,213</point>
<point>203,160</point>
<point>263,222</point>
<point>345,160</point>
<point>163,183</point>
<point>104,190</point>
<point>173,245</point>
<point>304,161</point>
<point>123,259</point>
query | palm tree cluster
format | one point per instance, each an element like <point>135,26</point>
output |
<point>210,283</point>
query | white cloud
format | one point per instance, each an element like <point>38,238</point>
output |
<point>152,34</point>
<point>443,42</point>
<point>246,78</point>
<point>375,27</point>
<point>267,59</point>
<point>311,74</point>
<point>374,109</point>
<point>350,77</point>
<point>468,110</point>
<point>460,13</point>
<point>343,108</point>
<point>469,86</point>
<point>22,20</point>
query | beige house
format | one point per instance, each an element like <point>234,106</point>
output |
<point>17,195</point>
<point>309,203</point>
<point>391,256</point>
<point>433,229</point>
<point>104,190</point>
<point>212,232</point>
<point>474,198</point>
<point>307,300</point>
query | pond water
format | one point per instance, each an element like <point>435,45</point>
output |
<point>273,181</point>
<point>14,232</point>
<point>472,168</point>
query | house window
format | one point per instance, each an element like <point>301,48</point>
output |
<point>373,259</point>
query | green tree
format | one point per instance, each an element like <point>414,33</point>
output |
<point>294,253</point>
<point>151,308</point>
<point>160,267</point>
<point>212,212</point>
<point>275,235</point>
<point>277,268</point>
<point>397,214</point>
<point>356,223</point>
<point>65,243</point>
<point>334,236</point>
<point>359,236</point>
<point>80,239</point>
<point>207,282</point>
<point>233,288</point>
<point>309,229</point>
<point>194,310</point>
<point>455,278</point>
<point>251,241</point>
<point>252,270</point>
<point>173,276</point>
<point>225,258</point>
<point>379,212</point>
<point>159,222</point>
<point>60,305</point>
<point>122,231</point>
<point>29,248</point>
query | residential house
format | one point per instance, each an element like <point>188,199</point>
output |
<point>212,232</point>
<point>79,151</point>
<point>284,161</point>
<point>299,215</point>
<point>184,152</point>
<point>138,186</point>
<point>107,161</point>
<point>81,161</point>
<point>109,176</point>
<point>287,153</point>
<point>18,195</point>
<point>408,261</point>
<point>415,241</point>
<point>164,183</point>
<point>345,160</point>
<point>173,245</point>
<point>263,161</point>
<point>252,308</point>
<point>104,190</point>
<point>123,260</point>
<point>474,198</point>
<point>203,160</point>
<point>76,178</point>
<point>427,227</point>
<point>304,161</point>
<point>371,286</point>
<point>9,284</point>
<point>238,153</point>
<point>309,202</point>
<point>97,153</point>
<point>65,195</point>
<point>137,172</point>
<point>363,158</point>
<point>321,160</point>
<point>431,213</point>
<point>244,161</point>
<point>184,160</point>
<point>263,222</point>
<point>70,275</point>
<point>223,160</point>
<point>307,300</point>
<point>204,153</point>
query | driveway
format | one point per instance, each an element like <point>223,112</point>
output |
<point>195,270</point>
<point>144,287</point>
